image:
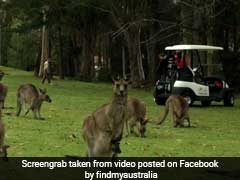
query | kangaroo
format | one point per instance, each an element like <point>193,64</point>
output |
<point>29,94</point>
<point>3,94</point>
<point>179,110</point>
<point>136,117</point>
<point>3,148</point>
<point>103,129</point>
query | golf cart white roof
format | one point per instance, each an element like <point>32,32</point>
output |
<point>193,47</point>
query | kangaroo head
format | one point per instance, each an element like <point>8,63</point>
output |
<point>43,95</point>
<point>120,86</point>
<point>142,127</point>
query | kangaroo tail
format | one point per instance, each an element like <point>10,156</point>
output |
<point>165,113</point>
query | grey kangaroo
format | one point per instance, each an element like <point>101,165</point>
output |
<point>136,117</point>
<point>103,129</point>
<point>3,94</point>
<point>29,94</point>
<point>3,148</point>
<point>178,107</point>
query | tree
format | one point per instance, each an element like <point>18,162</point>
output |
<point>5,36</point>
<point>129,17</point>
<point>123,34</point>
<point>45,50</point>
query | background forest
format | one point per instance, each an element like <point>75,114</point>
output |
<point>115,36</point>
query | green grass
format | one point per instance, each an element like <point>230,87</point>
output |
<point>217,129</point>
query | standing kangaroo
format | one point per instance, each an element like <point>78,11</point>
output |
<point>179,110</point>
<point>3,148</point>
<point>3,94</point>
<point>29,94</point>
<point>136,117</point>
<point>103,129</point>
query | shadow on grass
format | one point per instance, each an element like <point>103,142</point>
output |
<point>214,105</point>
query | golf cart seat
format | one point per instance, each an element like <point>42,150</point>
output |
<point>186,74</point>
<point>213,83</point>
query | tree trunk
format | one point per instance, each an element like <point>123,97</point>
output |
<point>61,64</point>
<point>86,72</point>
<point>235,33</point>
<point>5,36</point>
<point>151,53</point>
<point>210,37</point>
<point>74,54</point>
<point>37,63</point>
<point>45,45</point>
<point>135,58</point>
<point>187,22</point>
<point>197,25</point>
<point>151,47</point>
<point>140,62</point>
<point>107,52</point>
<point>123,61</point>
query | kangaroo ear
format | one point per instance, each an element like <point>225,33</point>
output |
<point>145,121</point>
<point>40,90</point>
<point>115,78</point>
<point>127,78</point>
<point>43,91</point>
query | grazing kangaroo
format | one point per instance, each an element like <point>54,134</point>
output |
<point>3,148</point>
<point>136,117</point>
<point>179,110</point>
<point>103,129</point>
<point>3,94</point>
<point>29,94</point>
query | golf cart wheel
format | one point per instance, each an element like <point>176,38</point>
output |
<point>229,99</point>
<point>189,97</point>
<point>205,103</point>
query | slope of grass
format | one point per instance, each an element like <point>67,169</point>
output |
<point>216,131</point>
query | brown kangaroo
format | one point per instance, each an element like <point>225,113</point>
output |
<point>29,94</point>
<point>103,129</point>
<point>136,117</point>
<point>179,110</point>
<point>3,94</point>
<point>3,148</point>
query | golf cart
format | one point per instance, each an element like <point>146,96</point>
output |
<point>185,76</point>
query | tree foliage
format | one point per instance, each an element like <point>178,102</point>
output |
<point>116,36</point>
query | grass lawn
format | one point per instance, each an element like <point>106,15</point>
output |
<point>217,129</point>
